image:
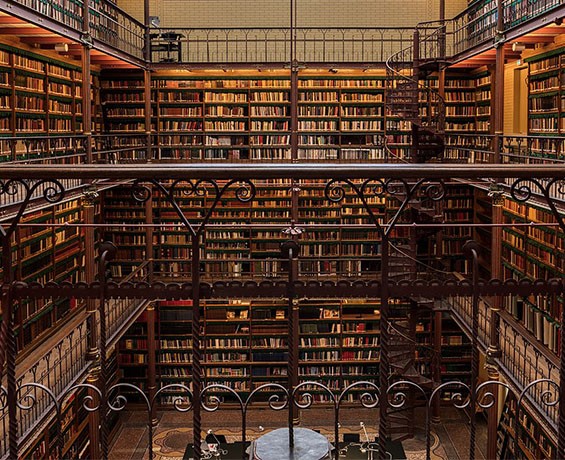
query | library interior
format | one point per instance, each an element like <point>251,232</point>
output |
<point>270,230</point>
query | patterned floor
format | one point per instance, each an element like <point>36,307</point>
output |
<point>449,439</point>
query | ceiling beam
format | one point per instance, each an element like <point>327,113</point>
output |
<point>23,31</point>
<point>53,40</point>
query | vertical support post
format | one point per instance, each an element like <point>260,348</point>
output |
<point>493,351</point>
<point>93,355</point>
<point>384,366</point>
<point>561,424</point>
<point>442,37</point>
<point>441,92</point>
<point>415,97</point>
<point>151,359</point>
<point>11,350</point>
<point>471,248</point>
<point>147,81</point>
<point>151,313</point>
<point>107,252</point>
<point>415,54</point>
<point>293,338</point>
<point>290,251</point>
<point>196,351</point>
<point>437,363</point>
<point>498,108</point>
<point>149,232</point>
<point>86,83</point>
<point>147,110</point>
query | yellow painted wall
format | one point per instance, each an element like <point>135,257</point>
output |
<point>275,13</point>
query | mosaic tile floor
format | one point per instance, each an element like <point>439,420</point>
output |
<point>449,438</point>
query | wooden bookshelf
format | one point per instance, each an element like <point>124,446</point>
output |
<point>246,116</point>
<point>530,441</point>
<point>45,253</point>
<point>246,345</point>
<point>74,430</point>
<point>483,235</point>
<point>546,89</point>
<point>247,250</point>
<point>534,252</point>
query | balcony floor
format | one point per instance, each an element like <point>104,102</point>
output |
<point>174,431</point>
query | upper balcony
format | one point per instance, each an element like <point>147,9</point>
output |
<point>115,33</point>
<point>110,31</point>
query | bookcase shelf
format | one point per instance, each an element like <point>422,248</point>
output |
<point>530,441</point>
<point>46,253</point>
<point>534,252</point>
<point>546,100</point>
<point>245,344</point>
<point>247,117</point>
<point>74,430</point>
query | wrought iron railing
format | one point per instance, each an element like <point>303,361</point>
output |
<point>122,311</point>
<point>409,178</point>
<point>59,369</point>
<point>364,46</point>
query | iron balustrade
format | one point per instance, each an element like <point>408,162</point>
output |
<point>517,12</point>
<point>522,359</point>
<point>402,181</point>
<point>123,311</point>
<point>112,26</point>
<point>65,365</point>
<point>59,369</point>
<point>271,45</point>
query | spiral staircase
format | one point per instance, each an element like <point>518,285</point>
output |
<point>410,98</point>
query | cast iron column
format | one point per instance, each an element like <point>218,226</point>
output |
<point>415,71</point>
<point>107,253</point>
<point>493,351</point>
<point>436,369</point>
<point>88,206</point>
<point>151,358</point>
<point>290,251</point>
<point>196,351</point>
<point>11,349</point>
<point>147,80</point>
<point>384,366</point>
<point>293,338</point>
<point>499,84</point>
<point>86,83</point>
<point>471,248</point>
<point>147,97</point>
<point>151,313</point>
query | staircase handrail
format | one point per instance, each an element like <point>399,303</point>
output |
<point>434,353</point>
<point>398,57</point>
